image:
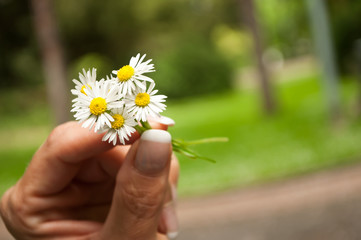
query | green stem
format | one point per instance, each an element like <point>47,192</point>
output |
<point>207,140</point>
<point>146,124</point>
<point>182,146</point>
<point>140,129</point>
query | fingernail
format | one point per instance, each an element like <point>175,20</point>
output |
<point>172,235</point>
<point>163,120</point>
<point>153,151</point>
<point>170,220</point>
<point>174,193</point>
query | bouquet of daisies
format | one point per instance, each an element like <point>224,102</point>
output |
<point>122,103</point>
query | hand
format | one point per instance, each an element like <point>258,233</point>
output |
<point>78,187</point>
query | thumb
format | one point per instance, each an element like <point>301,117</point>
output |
<point>140,190</point>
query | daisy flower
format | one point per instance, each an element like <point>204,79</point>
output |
<point>93,106</point>
<point>130,76</point>
<point>122,126</point>
<point>144,103</point>
<point>86,79</point>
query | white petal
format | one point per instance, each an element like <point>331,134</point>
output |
<point>106,136</point>
<point>145,78</point>
<point>90,122</point>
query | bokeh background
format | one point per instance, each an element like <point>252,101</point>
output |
<point>279,78</point>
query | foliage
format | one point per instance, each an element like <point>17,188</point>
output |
<point>193,68</point>
<point>112,31</point>
<point>285,26</point>
<point>297,140</point>
<point>89,61</point>
<point>27,105</point>
<point>345,18</point>
<point>234,44</point>
<point>19,64</point>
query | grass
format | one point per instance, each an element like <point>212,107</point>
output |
<point>296,140</point>
<point>24,124</point>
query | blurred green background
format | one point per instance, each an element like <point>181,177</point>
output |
<point>203,52</point>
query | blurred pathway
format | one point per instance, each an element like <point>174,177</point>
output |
<point>323,205</point>
<point>4,235</point>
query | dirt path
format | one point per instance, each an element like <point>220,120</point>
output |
<point>323,205</point>
<point>4,235</point>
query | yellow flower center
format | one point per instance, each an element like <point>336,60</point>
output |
<point>83,87</point>
<point>125,73</point>
<point>98,106</point>
<point>142,99</point>
<point>118,121</point>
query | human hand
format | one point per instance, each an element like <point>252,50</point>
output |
<point>78,187</point>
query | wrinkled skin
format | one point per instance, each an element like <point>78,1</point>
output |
<point>78,187</point>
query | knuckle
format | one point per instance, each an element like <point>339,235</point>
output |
<point>142,202</point>
<point>21,207</point>
<point>56,133</point>
<point>16,213</point>
<point>20,204</point>
<point>4,203</point>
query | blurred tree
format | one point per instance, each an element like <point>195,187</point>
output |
<point>234,43</point>
<point>19,62</point>
<point>108,28</point>
<point>346,22</point>
<point>53,60</point>
<point>285,25</point>
<point>162,29</point>
<point>324,46</point>
<point>248,11</point>
<point>193,68</point>
<point>358,61</point>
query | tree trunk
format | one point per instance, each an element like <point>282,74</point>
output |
<point>248,13</point>
<point>322,37</point>
<point>53,59</point>
<point>358,64</point>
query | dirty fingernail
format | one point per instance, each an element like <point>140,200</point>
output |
<point>153,151</point>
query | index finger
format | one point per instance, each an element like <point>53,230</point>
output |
<point>58,160</point>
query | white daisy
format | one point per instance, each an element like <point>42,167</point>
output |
<point>130,76</point>
<point>86,79</point>
<point>122,126</point>
<point>144,103</point>
<point>92,107</point>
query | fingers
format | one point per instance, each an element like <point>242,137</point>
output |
<point>161,237</point>
<point>142,184</point>
<point>60,157</point>
<point>111,160</point>
<point>174,171</point>
<point>169,223</point>
<point>161,122</point>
